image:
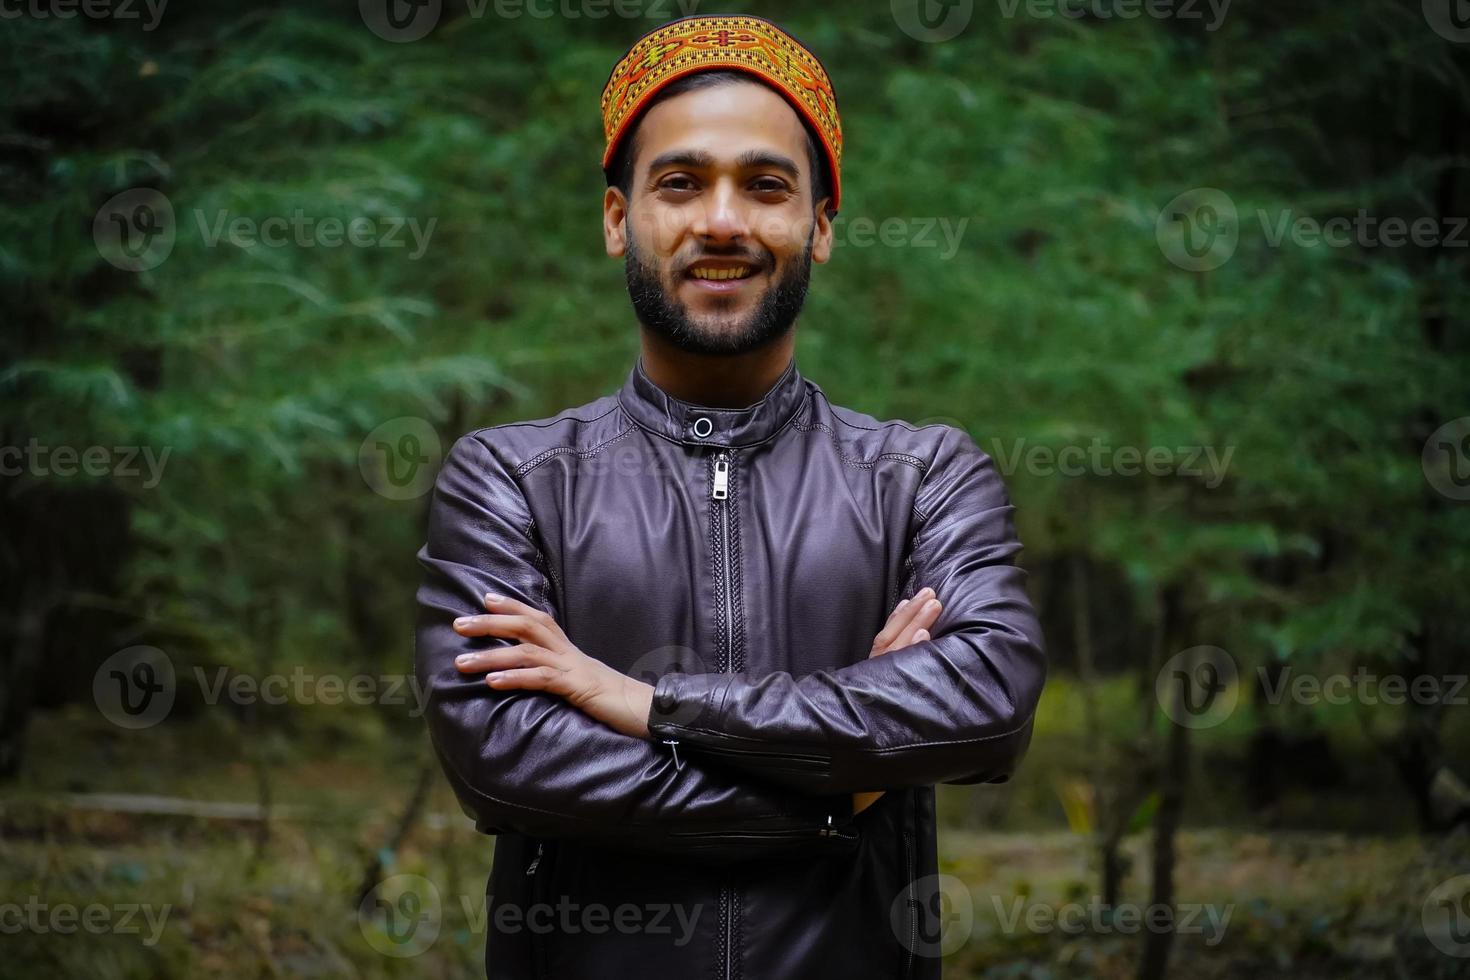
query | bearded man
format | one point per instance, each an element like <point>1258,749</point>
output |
<point>668,663</point>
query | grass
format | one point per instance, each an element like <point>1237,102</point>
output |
<point>1317,896</point>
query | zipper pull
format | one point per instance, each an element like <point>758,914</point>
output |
<point>721,488</point>
<point>673,744</point>
<point>534,861</point>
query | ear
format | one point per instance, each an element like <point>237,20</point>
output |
<point>614,222</point>
<point>822,237</point>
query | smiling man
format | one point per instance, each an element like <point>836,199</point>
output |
<point>662,632</point>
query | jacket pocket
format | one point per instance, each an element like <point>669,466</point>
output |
<point>795,835</point>
<point>790,762</point>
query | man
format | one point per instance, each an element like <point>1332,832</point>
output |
<point>653,626</point>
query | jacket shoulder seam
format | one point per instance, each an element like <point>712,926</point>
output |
<point>913,461</point>
<point>554,451</point>
<point>909,458</point>
<point>882,424</point>
<point>484,434</point>
<point>547,422</point>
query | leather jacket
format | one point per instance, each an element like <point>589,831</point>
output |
<point>742,560</point>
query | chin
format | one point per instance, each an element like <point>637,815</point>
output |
<point>722,323</point>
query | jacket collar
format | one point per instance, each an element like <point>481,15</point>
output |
<point>698,425</point>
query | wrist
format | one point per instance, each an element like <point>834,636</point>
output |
<point>639,697</point>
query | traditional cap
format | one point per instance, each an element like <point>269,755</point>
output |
<point>711,43</point>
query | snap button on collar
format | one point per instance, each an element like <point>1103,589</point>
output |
<point>650,407</point>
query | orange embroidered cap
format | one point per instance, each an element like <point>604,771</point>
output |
<point>709,43</point>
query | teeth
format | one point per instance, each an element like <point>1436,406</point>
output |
<point>721,273</point>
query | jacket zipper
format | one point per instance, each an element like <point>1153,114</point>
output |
<point>539,966</point>
<point>720,490</point>
<point>720,495</point>
<point>913,903</point>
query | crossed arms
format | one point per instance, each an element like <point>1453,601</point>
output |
<point>561,745</point>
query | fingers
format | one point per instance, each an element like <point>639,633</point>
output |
<point>911,625</point>
<point>504,658</point>
<point>511,619</point>
<point>918,629</point>
<point>899,619</point>
<point>524,667</point>
<point>525,679</point>
<point>510,627</point>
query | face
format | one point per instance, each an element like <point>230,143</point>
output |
<point>719,229</point>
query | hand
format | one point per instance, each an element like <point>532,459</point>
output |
<point>545,660</point>
<point>908,623</point>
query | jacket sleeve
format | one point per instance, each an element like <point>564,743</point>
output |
<point>957,707</point>
<point>528,762</point>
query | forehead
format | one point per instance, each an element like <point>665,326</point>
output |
<point>725,121</point>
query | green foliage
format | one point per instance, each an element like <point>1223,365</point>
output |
<point>1052,320</point>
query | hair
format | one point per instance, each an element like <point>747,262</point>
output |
<point>620,168</point>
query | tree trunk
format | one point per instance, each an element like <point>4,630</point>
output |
<point>19,675</point>
<point>267,636</point>
<point>1136,771</point>
<point>1173,774</point>
<point>1106,800</point>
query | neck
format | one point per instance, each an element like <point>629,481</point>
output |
<point>716,381</point>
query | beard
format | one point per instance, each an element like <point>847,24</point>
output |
<point>660,310</point>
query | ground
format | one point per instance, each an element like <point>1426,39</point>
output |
<point>1286,902</point>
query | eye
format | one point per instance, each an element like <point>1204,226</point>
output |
<point>677,183</point>
<point>769,185</point>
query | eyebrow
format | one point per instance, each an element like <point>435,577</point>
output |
<point>749,160</point>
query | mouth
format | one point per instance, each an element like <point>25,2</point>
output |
<point>720,275</point>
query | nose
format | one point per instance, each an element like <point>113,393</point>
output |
<point>722,216</point>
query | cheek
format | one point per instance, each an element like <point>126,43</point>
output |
<point>783,235</point>
<point>662,229</point>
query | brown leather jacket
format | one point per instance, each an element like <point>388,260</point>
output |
<point>742,560</point>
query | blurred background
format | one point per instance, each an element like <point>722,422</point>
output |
<point>1194,273</point>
